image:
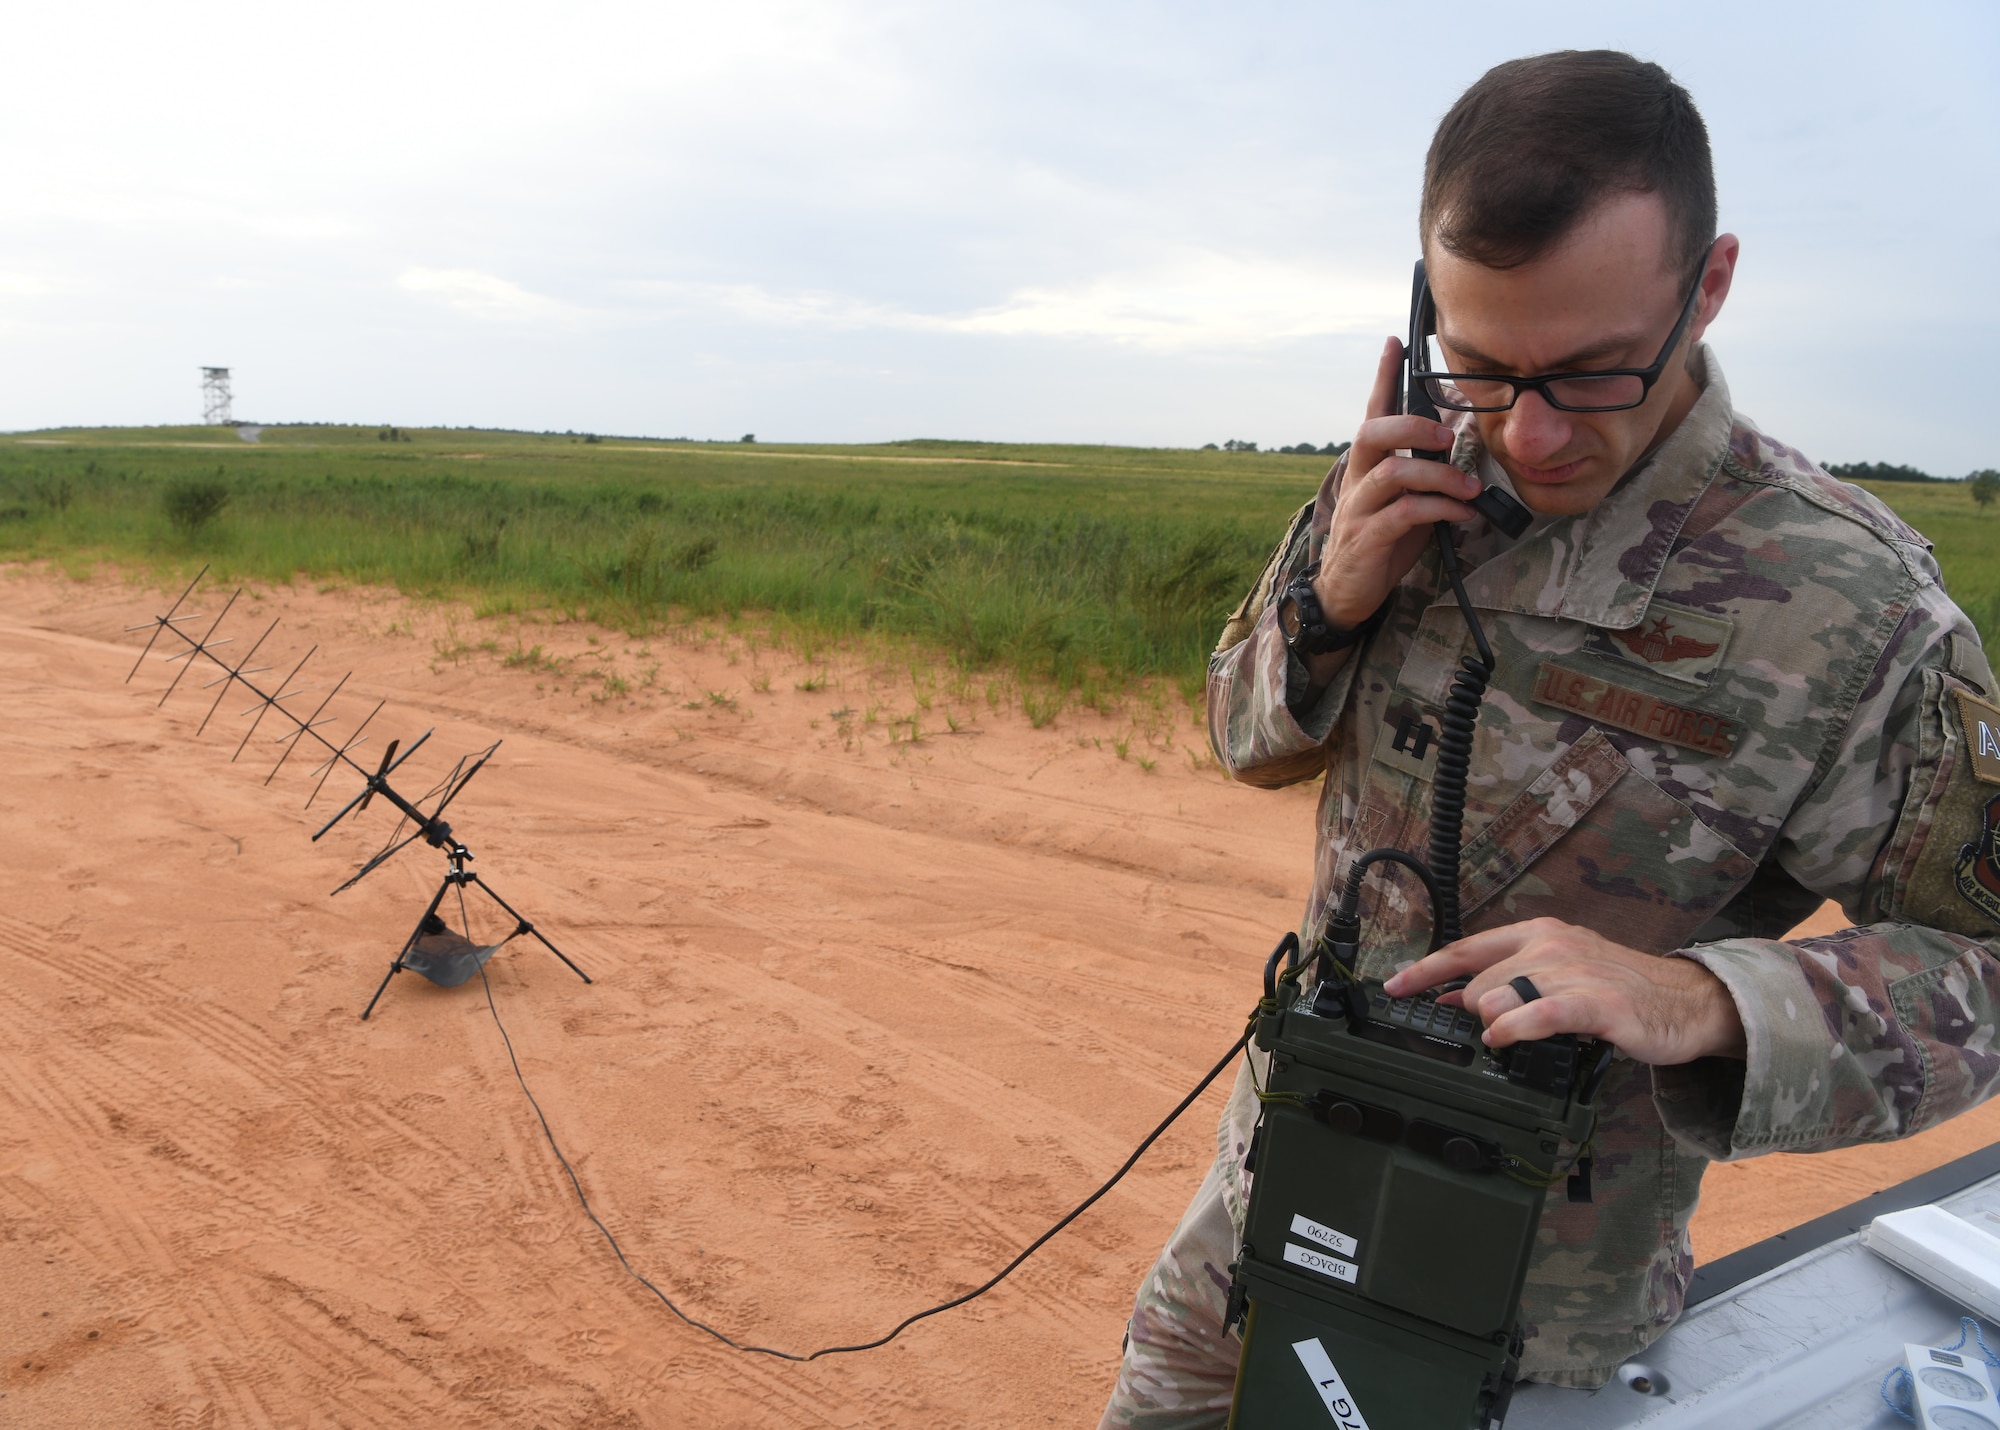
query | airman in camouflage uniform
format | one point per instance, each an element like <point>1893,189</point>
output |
<point>1735,635</point>
<point>1729,690</point>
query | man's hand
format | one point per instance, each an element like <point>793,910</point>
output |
<point>1387,503</point>
<point>1386,508</point>
<point>1660,1011</point>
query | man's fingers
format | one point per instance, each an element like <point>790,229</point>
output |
<point>1426,972</point>
<point>1391,477</point>
<point>1382,401</point>
<point>1386,429</point>
<point>1429,971</point>
<point>1528,1022</point>
<point>1412,509</point>
<point>1475,953</point>
<point>1379,437</point>
<point>1493,1003</point>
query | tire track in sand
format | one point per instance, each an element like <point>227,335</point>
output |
<point>76,1092</point>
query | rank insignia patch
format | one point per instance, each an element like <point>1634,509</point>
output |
<point>1978,871</point>
<point>1669,640</point>
<point>1408,740</point>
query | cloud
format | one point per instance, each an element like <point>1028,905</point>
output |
<point>1198,300</point>
<point>800,308</point>
<point>34,285</point>
<point>1189,302</point>
<point>484,296</point>
<point>867,217</point>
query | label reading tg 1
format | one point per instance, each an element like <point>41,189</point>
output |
<point>1322,1263</point>
<point>1338,1242</point>
<point>1332,1389</point>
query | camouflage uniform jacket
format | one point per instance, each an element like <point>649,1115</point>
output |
<point>1731,690</point>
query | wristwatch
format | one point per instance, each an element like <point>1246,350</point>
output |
<point>1304,625</point>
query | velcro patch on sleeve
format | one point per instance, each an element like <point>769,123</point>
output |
<point>1980,724</point>
<point>1943,864</point>
<point>1621,706</point>
<point>1977,870</point>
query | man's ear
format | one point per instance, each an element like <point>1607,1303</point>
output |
<point>1717,274</point>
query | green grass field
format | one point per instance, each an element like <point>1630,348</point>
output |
<point>1083,568</point>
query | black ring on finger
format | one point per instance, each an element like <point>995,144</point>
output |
<point>1523,986</point>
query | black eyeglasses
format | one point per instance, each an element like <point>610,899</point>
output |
<point>1609,390</point>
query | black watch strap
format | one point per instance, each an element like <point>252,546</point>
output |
<point>1304,625</point>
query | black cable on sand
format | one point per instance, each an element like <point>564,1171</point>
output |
<point>1001,1275</point>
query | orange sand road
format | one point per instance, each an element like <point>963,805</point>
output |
<point>869,1013</point>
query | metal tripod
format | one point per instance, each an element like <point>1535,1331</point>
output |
<point>471,959</point>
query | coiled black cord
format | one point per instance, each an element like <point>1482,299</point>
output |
<point>1439,872</point>
<point>1454,756</point>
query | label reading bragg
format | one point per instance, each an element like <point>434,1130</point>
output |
<point>1322,1263</point>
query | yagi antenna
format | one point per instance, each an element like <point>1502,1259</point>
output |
<point>433,949</point>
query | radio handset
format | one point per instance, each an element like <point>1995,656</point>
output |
<point>1494,503</point>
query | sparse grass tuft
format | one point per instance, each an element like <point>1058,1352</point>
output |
<point>531,658</point>
<point>1041,705</point>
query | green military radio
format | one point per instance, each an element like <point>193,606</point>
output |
<point>1399,1167</point>
<point>1399,1172</point>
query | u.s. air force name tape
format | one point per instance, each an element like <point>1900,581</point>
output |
<point>1612,704</point>
<point>1332,1389</point>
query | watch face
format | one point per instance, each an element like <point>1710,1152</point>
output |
<point>1289,620</point>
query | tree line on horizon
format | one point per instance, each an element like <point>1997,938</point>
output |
<point>1300,449</point>
<point>1985,483</point>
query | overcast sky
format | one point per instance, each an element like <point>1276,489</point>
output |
<point>1158,224</point>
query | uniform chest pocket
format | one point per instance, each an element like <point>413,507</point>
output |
<point>1594,842</point>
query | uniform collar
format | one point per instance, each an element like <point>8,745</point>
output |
<point>1601,567</point>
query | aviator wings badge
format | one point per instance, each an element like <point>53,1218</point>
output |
<point>1653,645</point>
<point>1669,640</point>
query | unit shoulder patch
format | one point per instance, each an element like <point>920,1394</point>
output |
<point>1980,724</point>
<point>1620,706</point>
<point>1945,866</point>
<point>1977,873</point>
<point>1669,640</point>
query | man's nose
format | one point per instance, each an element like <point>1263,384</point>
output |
<point>1537,431</point>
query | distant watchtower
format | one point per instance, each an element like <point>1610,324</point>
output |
<point>215,396</point>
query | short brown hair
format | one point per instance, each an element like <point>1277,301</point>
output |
<point>1535,144</point>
